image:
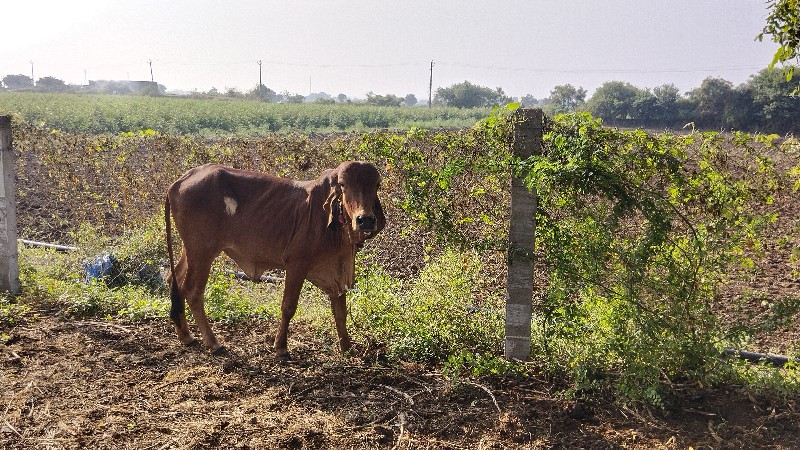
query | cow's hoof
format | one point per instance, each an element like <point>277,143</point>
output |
<point>221,351</point>
<point>191,344</point>
<point>284,358</point>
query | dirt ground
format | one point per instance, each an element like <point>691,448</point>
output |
<point>102,384</point>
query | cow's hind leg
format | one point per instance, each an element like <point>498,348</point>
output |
<point>339,309</point>
<point>193,288</point>
<point>177,310</point>
<point>291,294</point>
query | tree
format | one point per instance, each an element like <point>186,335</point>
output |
<point>666,103</point>
<point>713,97</point>
<point>530,100</point>
<point>613,101</point>
<point>292,98</point>
<point>50,84</point>
<point>319,97</point>
<point>468,95</point>
<point>233,93</point>
<point>341,98</point>
<point>739,113</point>
<point>565,98</point>
<point>783,24</point>
<point>644,108</point>
<point>773,109</point>
<point>17,82</point>
<point>261,93</point>
<point>667,95</point>
<point>383,100</point>
<point>410,100</point>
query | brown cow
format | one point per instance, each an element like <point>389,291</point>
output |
<point>309,228</point>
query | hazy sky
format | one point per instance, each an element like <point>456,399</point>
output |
<point>353,47</point>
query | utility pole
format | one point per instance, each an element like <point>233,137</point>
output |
<point>430,87</point>
<point>150,61</point>
<point>260,88</point>
<point>33,80</point>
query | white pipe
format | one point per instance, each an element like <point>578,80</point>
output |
<point>57,247</point>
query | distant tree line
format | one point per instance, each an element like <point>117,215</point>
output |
<point>24,83</point>
<point>265,94</point>
<point>763,103</point>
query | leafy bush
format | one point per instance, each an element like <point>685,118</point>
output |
<point>430,317</point>
<point>637,233</point>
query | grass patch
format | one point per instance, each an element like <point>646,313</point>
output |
<point>430,317</point>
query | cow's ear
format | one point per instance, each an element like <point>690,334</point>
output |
<point>333,204</point>
<point>334,215</point>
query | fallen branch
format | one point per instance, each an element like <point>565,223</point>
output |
<point>9,427</point>
<point>494,400</point>
<point>713,432</point>
<point>398,391</point>
<point>104,324</point>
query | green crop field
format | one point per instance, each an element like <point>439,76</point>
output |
<point>173,115</point>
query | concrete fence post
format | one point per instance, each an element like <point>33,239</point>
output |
<point>527,140</point>
<point>9,266</point>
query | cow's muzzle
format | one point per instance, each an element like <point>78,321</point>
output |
<point>366,222</point>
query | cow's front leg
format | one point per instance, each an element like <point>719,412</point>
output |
<point>291,294</point>
<point>339,308</point>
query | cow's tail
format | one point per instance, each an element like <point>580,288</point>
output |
<point>177,306</point>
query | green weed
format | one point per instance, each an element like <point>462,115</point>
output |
<point>11,311</point>
<point>476,365</point>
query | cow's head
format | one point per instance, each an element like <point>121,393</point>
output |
<point>353,201</point>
